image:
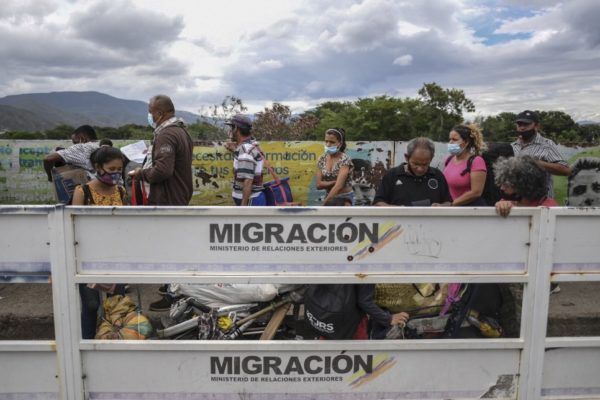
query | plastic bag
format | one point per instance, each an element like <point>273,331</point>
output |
<point>223,294</point>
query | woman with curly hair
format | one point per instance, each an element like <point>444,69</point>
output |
<point>465,169</point>
<point>522,182</point>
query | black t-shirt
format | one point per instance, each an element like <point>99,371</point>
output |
<point>401,188</point>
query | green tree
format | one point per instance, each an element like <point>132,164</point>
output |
<point>278,123</point>
<point>446,107</point>
<point>203,130</point>
<point>61,132</point>
<point>22,135</point>
<point>559,126</point>
<point>217,114</point>
<point>499,128</point>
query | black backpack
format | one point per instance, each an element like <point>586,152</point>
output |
<point>331,310</point>
<point>491,193</point>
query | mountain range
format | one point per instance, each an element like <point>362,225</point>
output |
<point>43,111</point>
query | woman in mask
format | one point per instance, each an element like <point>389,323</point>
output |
<point>334,168</point>
<point>465,169</point>
<point>104,190</point>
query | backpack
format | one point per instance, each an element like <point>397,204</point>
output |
<point>332,310</point>
<point>491,193</point>
<point>88,199</point>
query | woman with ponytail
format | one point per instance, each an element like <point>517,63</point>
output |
<point>334,168</point>
<point>465,169</point>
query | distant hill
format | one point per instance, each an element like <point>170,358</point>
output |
<point>586,122</point>
<point>42,111</point>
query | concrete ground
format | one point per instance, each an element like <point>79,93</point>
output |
<point>26,310</point>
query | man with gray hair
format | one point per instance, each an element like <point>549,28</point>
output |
<point>415,182</point>
<point>169,167</point>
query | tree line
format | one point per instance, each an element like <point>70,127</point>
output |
<point>432,113</point>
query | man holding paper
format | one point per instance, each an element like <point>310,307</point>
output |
<point>170,171</point>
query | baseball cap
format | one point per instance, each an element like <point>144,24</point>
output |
<point>528,117</point>
<point>240,120</point>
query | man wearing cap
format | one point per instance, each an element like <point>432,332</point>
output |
<point>247,163</point>
<point>532,143</point>
<point>169,171</point>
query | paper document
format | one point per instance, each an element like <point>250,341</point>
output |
<point>135,151</point>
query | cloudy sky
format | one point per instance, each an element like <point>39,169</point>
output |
<point>507,55</point>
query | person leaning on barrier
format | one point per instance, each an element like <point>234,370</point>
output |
<point>170,167</point>
<point>84,144</point>
<point>522,182</point>
<point>414,182</point>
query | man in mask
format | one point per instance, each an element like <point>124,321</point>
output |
<point>247,163</point>
<point>168,168</point>
<point>530,142</point>
<point>169,171</point>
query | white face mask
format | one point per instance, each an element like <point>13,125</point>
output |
<point>331,149</point>
<point>454,149</point>
<point>151,121</point>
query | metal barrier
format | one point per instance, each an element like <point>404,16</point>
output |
<point>27,368</point>
<point>310,245</point>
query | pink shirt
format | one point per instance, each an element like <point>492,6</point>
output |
<point>457,184</point>
<point>547,202</point>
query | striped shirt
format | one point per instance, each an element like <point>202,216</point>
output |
<point>79,154</point>
<point>247,164</point>
<point>543,149</point>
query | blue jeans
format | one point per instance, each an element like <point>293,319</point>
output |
<point>348,195</point>
<point>257,201</point>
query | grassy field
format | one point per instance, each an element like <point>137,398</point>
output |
<point>560,182</point>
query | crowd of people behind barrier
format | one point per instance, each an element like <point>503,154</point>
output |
<point>503,176</point>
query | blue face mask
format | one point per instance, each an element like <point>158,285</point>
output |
<point>454,149</point>
<point>151,121</point>
<point>331,149</point>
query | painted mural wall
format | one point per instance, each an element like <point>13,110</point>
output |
<point>23,180</point>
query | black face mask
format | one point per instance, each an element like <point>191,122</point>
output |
<point>511,197</point>
<point>527,135</point>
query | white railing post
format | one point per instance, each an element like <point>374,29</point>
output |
<point>65,301</point>
<point>536,302</point>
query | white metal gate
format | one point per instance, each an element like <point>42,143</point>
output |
<point>301,245</point>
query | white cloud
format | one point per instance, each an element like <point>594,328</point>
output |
<point>404,60</point>
<point>304,52</point>
<point>406,28</point>
<point>270,64</point>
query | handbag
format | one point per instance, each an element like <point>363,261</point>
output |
<point>278,191</point>
<point>138,193</point>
